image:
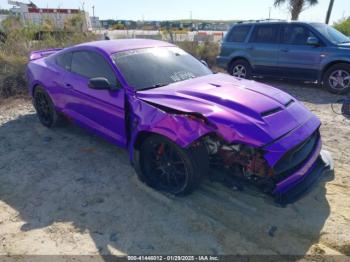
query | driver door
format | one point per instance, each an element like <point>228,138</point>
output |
<point>99,110</point>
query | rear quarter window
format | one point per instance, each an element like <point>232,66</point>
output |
<point>64,61</point>
<point>239,33</point>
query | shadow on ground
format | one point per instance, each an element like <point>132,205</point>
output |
<point>69,187</point>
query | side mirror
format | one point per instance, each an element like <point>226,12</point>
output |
<point>313,41</point>
<point>205,63</point>
<point>100,83</point>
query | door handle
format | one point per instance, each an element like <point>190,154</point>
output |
<point>69,85</point>
<point>285,50</point>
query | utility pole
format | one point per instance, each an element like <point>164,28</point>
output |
<point>191,19</point>
<point>270,12</point>
<point>329,12</point>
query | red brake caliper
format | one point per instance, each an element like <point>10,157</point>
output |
<point>160,150</point>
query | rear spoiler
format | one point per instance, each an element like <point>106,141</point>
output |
<point>43,53</point>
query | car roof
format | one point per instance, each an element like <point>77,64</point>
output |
<point>272,22</point>
<point>114,46</point>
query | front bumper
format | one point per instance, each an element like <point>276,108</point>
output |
<point>295,186</point>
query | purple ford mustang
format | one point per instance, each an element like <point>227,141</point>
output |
<point>177,118</point>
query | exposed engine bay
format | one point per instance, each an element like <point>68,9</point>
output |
<point>242,162</point>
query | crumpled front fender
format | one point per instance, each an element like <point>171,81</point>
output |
<point>179,128</point>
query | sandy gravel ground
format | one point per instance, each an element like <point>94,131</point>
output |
<point>65,191</point>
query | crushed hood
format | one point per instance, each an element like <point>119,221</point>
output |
<point>241,110</point>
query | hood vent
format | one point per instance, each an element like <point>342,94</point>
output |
<point>289,103</point>
<point>271,111</point>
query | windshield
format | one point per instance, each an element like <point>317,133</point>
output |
<point>155,67</point>
<point>331,34</point>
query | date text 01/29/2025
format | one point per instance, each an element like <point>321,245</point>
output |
<point>173,258</point>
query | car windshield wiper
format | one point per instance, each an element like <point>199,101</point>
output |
<point>154,86</point>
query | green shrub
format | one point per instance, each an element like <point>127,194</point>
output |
<point>343,26</point>
<point>12,70</point>
<point>118,27</point>
<point>20,41</point>
<point>206,51</point>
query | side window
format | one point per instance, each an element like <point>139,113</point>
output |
<point>295,35</point>
<point>91,64</point>
<point>64,61</point>
<point>267,34</point>
<point>239,33</point>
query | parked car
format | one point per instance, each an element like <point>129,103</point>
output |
<point>177,118</point>
<point>293,50</point>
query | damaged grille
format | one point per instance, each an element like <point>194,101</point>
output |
<point>296,157</point>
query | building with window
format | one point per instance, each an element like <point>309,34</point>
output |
<point>31,14</point>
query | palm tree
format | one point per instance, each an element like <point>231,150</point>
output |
<point>296,6</point>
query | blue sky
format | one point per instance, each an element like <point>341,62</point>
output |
<point>201,9</point>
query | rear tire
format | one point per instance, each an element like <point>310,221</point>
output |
<point>241,69</point>
<point>337,79</point>
<point>165,166</point>
<point>45,108</point>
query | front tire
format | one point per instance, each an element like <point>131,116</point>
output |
<point>241,69</point>
<point>337,79</point>
<point>45,108</point>
<point>165,166</point>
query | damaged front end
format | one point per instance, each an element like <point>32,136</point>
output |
<point>285,168</point>
<point>286,181</point>
<point>242,161</point>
